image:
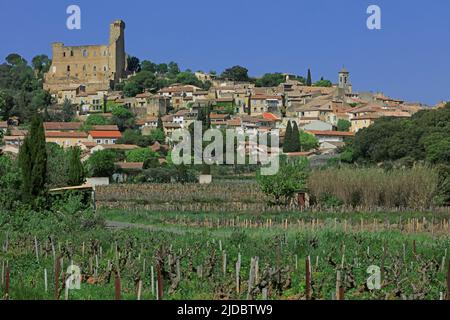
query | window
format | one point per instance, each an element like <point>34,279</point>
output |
<point>71,53</point>
<point>95,68</point>
<point>68,68</point>
<point>99,141</point>
<point>64,54</point>
<point>105,68</point>
<point>84,68</point>
<point>85,53</point>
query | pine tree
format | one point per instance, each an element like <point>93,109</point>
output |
<point>295,138</point>
<point>309,79</point>
<point>33,162</point>
<point>76,170</point>
<point>287,146</point>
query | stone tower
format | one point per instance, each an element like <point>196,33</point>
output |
<point>344,79</point>
<point>117,49</point>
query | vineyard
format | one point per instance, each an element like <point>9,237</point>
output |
<point>208,256</point>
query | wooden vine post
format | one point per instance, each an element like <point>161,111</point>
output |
<point>448,281</point>
<point>57,272</point>
<point>308,278</point>
<point>7,282</point>
<point>117,287</point>
<point>160,281</point>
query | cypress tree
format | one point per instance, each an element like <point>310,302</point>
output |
<point>295,139</point>
<point>309,79</point>
<point>76,170</point>
<point>33,161</point>
<point>287,146</point>
<point>160,126</point>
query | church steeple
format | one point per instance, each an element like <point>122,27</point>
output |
<point>344,78</point>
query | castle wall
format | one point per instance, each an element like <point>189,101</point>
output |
<point>97,67</point>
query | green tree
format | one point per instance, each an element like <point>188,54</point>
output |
<point>344,125</point>
<point>291,179</point>
<point>57,166</point>
<point>133,64</point>
<point>270,80</point>
<point>162,68</point>
<point>101,163</point>
<point>15,59</point>
<point>96,120</point>
<point>41,64</point>
<point>68,111</point>
<point>141,155</point>
<point>76,170</point>
<point>236,73</point>
<point>173,69</point>
<point>308,141</point>
<point>148,66</point>
<point>123,118</point>
<point>287,145</point>
<point>10,182</point>
<point>33,162</point>
<point>295,138</point>
<point>323,83</point>
<point>309,79</point>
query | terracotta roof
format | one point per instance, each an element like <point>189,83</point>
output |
<point>3,124</point>
<point>331,133</point>
<point>265,97</point>
<point>270,116</point>
<point>64,134</point>
<point>224,100</point>
<point>62,126</point>
<point>218,116</point>
<point>144,95</point>
<point>105,134</point>
<point>111,127</point>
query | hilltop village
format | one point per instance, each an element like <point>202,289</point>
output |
<point>110,94</point>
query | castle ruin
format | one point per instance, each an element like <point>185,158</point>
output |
<point>95,67</point>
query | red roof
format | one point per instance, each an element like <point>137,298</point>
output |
<point>270,116</point>
<point>105,134</point>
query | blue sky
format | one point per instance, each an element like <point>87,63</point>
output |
<point>409,58</point>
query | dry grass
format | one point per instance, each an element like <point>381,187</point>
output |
<point>373,187</point>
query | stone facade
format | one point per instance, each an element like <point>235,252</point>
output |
<point>96,67</point>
